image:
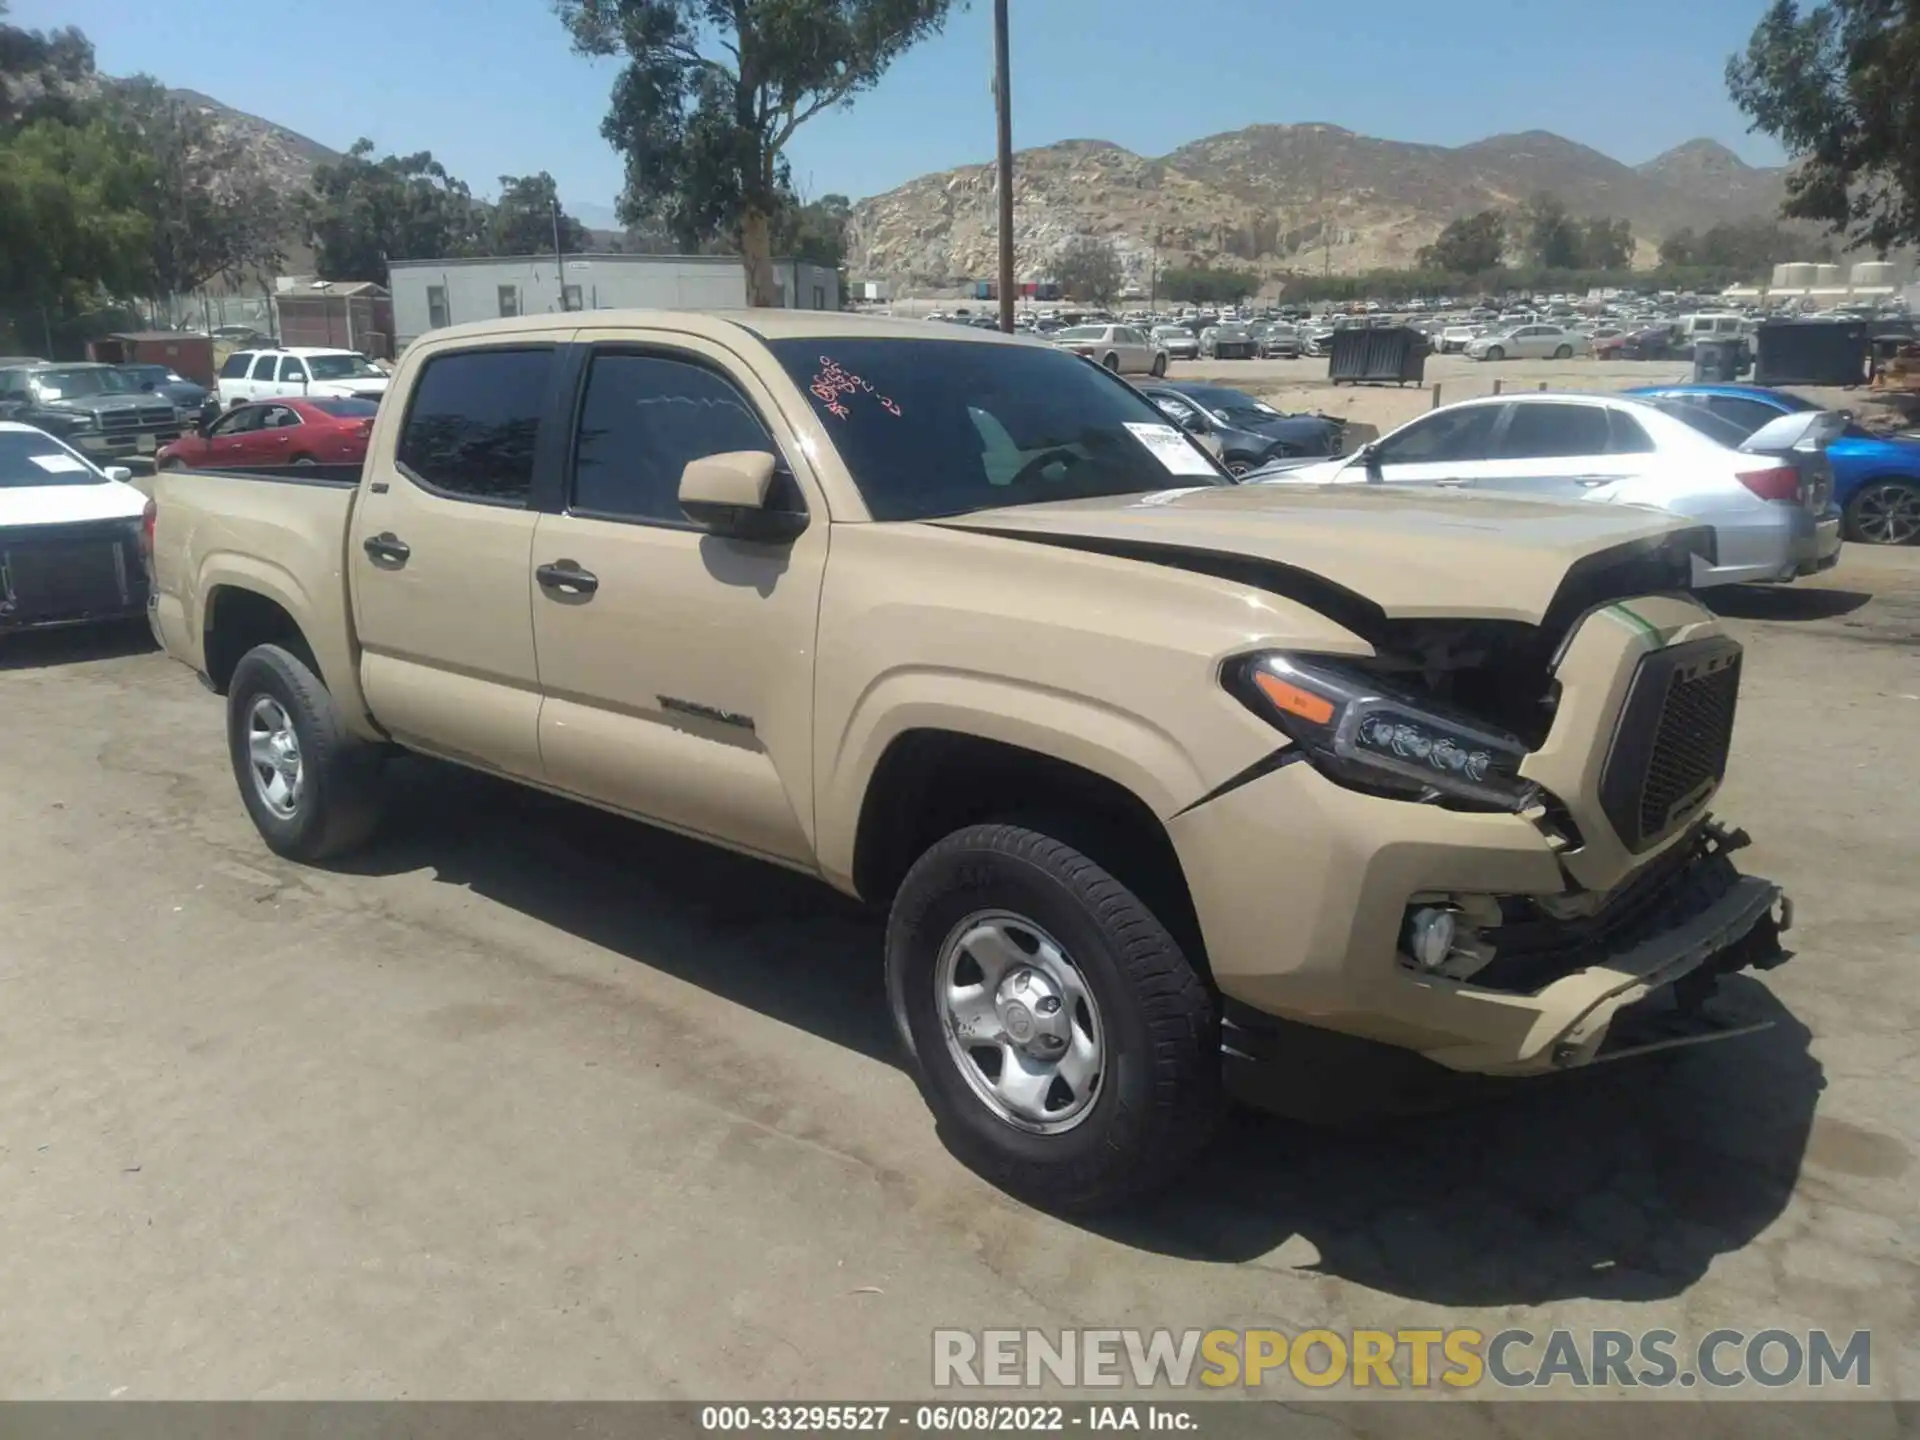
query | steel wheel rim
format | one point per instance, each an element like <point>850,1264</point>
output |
<point>1020,1022</point>
<point>1888,514</point>
<point>273,757</point>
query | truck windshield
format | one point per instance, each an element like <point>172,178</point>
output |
<point>65,384</point>
<point>29,459</point>
<point>342,367</point>
<point>941,427</point>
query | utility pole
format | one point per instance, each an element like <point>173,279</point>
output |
<point>559,255</point>
<point>1003,106</point>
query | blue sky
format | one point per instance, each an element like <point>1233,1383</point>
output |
<point>491,87</point>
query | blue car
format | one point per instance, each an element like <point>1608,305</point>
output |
<point>1876,479</point>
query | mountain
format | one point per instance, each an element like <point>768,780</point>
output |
<point>288,157</point>
<point>1276,198</point>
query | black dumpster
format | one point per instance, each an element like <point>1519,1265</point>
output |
<point>1719,361</point>
<point>1811,352</point>
<point>1395,353</point>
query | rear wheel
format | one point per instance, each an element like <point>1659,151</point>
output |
<point>1885,512</point>
<point>312,788</point>
<point>304,460</point>
<point>1239,468</point>
<point>1159,366</point>
<point>1494,352</point>
<point>1112,362</point>
<point>1068,1050</point>
<point>1565,352</point>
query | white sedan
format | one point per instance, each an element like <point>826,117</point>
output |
<point>1528,342</point>
<point>1123,349</point>
<point>70,536</point>
<point>1771,511</point>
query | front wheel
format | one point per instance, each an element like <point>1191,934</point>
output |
<point>1112,362</point>
<point>1159,366</point>
<point>312,787</point>
<point>1565,352</point>
<point>1494,352</point>
<point>1885,512</point>
<point>1067,1048</point>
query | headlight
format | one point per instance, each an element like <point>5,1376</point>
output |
<point>1367,734</point>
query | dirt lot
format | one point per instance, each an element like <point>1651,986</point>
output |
<point>533,1102</point>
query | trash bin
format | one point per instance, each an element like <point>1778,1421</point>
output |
<point>1718,361</point>
<point>1396,353</point>
<point>1811,352</point>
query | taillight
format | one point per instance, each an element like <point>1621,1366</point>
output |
<point>147,517</point>
<point>1778,482</point>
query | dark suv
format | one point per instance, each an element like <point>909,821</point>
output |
<point>94,408</point>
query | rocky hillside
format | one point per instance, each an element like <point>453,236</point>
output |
<point>1273,198</point>
<point>287,157</point>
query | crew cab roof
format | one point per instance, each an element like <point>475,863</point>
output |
<point>767,324</point>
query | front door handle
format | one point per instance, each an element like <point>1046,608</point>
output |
<point>567,577</point>
<point>387,546</point>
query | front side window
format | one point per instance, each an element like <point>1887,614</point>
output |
<point>263,367</point>
<point>644,418</point>
<point>474,421</point>
<point>914,421</point>
<point>292,370</point>
<point>242,421</point>
<point>1447,437</point>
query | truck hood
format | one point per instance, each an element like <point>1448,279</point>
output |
<point>364,389</point>
<point>1359,551</point>
<point>69,504</point>
<point>101,404</point>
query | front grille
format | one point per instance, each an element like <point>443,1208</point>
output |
<point>147,417</point>
<point>69,572</point>
<point>1670,748</point>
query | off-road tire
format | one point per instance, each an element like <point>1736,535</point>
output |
<point>1160,1094</point>
<point>339,807</point>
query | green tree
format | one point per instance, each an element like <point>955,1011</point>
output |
<point>1678,247</point>
<point>1606,244</point>
<point>712,91</point>
<point>1202,285</point>
<point>1552,239</point>
<point>522,221</point>
<point>1088,268</point>
<point>72,221</point>
<point>1836,86</point>
<point>363,213</point>
<point>214,211</point>
<point>1467,246</point>
<point>43,76</point>
<point>815,232</point>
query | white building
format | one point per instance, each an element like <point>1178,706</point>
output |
<point>429,294</point>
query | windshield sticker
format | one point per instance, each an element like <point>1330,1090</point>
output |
<point>57,464</point>
<point>832,382</point>
<point>1178,454</point>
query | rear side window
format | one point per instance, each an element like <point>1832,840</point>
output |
<point>644,418</point>
<point>1749,415</point>
<point>1629,435</point>
<point>263,368</point>
<point>1543,432</point>
<point>236,366</point>
<point>473,422</point>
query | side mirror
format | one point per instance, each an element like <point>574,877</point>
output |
<point>120,473</point>
<point>730,495</point>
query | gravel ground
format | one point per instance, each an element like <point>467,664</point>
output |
<point>532,1102</point>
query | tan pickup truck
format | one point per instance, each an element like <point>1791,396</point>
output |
<point>1152,770</point>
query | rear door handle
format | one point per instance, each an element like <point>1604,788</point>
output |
<point>387,546</point>
<point>567,577</point>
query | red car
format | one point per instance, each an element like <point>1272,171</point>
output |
<point>322,431</point>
